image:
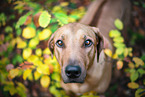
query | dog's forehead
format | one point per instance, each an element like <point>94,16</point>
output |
<point>75,29</point>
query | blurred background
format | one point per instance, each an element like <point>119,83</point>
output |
<point>26,67</point>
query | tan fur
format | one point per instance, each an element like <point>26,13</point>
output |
<point>98,71</point>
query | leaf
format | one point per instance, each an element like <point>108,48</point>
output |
<point>33,58</point>
<point>36,75</point>
<point>21,44</point>
<point>44,19</point>
<point>27,73</point>
<point>28,32</point>
<point>13,73</point>
<point>64,4</point>
<point>139,92</point>
<point>134,76</point>
<point>108,52</point>
<point>22,19</point>
<point>118,39</point>
<point>8,29</point>
<point>45,81</point>
<point>119,65</point>
<point>118,24</point>
<point>119,51</point>
<point>62,18</point>
<point>125,52</point>
<point>56,76</point>
<point>27,52</point>
<point>119,45</point>
<point>141,71</point>
<point>33,43</point>
<point>36,19</point>
<point>131,65</point>
<point>44,69</point>
<point>133,85</point>
<point>138,61</point>
<point>38,52</point>
<point>46,51</point>
<point>44,34</point>
<point>115,56</point>
<point>114,33</point>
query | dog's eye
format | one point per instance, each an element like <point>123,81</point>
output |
<point>88,43</point>
<point>59,43</point>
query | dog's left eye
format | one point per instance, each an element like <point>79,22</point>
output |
<point>59,43</point>
<point>88,43</point>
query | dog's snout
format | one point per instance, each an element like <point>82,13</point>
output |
<point>73,71</point>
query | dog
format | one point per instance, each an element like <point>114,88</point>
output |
<point>79,48</point>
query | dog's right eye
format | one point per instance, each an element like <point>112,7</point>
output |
<point>60,43</point>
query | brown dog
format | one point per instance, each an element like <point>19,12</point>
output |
<point>79,48</point>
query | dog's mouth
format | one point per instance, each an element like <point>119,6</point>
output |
<point>73,81</point>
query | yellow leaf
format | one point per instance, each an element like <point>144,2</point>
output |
<point>13,73</point>
<point>125,52</point>
<point>45,81</point>
<point>38,63</point>
<point>27,73</point>
<point>18,39</point>
<point>28,32</point>
<point>115,56</point>
<point>44,69</point>
<point>38,52</point>
<point>37,75</point>
<point>33,43</point>
<point>133,85</point>
<point>27,52</point>
<point>33,59</point>
<point>131,65</point>
<point>119,65</point>
<point>50,60</point>
<point>138,61</point>
<point>108,52</point>
<point>64,4</point>
<point>46,51</point>
<point>44,34</point>
<point>21,44</point>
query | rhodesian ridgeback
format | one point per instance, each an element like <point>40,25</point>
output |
<point>79,48</point>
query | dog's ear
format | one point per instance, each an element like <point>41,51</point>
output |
<point>101,41</point>
<point>51,45</point>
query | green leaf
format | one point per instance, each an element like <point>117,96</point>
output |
<point>22,20</point>
<point>61,18</point>
<point>134,76</point>
<point>33,43</point>
<point>56,76</point>
<point>119,45</point>
<point>119,51</point>
<point>8,29</point>
<point>118,39</point>
<point>139,92</point>
<point>44,19</point>
<point>141,71</point>
<point>118,24</point>
<point>114,33</point>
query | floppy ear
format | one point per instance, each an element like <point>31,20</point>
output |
<point>101,41</point>
<point>51,45</point>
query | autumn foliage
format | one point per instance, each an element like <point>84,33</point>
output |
<point>26,60</point>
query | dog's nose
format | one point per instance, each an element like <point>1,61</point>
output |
<point>73,71</point>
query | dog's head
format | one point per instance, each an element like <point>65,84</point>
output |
<point>75,46</point>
